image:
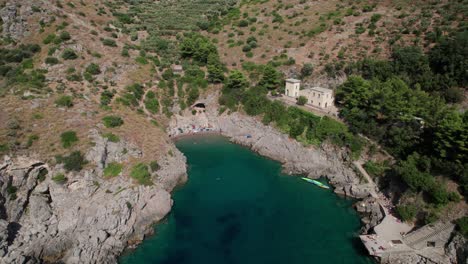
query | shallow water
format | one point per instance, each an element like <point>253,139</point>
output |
<point>238,208</point>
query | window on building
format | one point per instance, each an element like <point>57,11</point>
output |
<point>318,95</point>
<point>319,104</point>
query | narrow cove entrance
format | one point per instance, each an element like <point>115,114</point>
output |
<point>237,207</point>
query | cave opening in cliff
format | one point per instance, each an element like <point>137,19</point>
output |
<point>199,105</point>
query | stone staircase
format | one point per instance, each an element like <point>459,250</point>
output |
<point>424,234</point>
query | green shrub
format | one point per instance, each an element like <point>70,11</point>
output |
<point>134,93</point>
<point>406,212</point>
<point>111,137</point>
<point>301,100</point>
<point>141,60</point>
<point>307,70</point>
<point>375,18</point>
<point>113,169</point>
<point>375,169</point>
<point>31,140</point>
<point>106,97</point>
<point>151,103</point>
<point>141,174</point>
<point>4,148</point>
<point>64,36</point>
<point>462,225</point>
<point>360,30</point>
<point>11,190</point>
<point>51,60</point>
<point>109,42</point>
<point>68,138</point>
<point>73,162</point>
<point>59,178</point>
<point>64,101</point>
<point>243,23</point>
<point>93,69</point>
<point>112,121</point>
<point>42,175</point>
<point>49,39</point>
<point>154,166</point>
<point>69,54</point>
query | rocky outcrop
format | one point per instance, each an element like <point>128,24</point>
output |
<point>371,213</point>
<point>13,24</point>
<point>407,259</point>
<point>457,250</point>
<point>105,151</point>
<point>326,161</point>
<point>88,219</point>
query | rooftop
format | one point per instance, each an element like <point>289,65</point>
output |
<point>320,89</point>
<point>293,80</point>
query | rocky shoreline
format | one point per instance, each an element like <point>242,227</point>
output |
<point>88,219</point>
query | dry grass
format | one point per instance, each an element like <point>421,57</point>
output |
<point>81,118</point>
<point>322,48</point>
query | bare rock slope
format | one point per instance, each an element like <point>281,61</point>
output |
<point>88,219</point>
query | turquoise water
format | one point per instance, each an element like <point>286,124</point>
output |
<point>238,208</point>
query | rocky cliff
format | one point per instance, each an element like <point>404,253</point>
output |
<point>87,219</point>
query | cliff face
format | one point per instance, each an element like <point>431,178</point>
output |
<point>326,161</point>
<point>88,219</point>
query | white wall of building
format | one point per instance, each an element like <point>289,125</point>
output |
<point>293,89</point>
<point>322,98</point>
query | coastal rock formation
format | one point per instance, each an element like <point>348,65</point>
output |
<point>314,162</point>
<point>87,219</point>
<point>407,259</point>
<point>457,250</point>
<point>371,213</point>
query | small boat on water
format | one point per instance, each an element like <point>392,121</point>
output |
<point>319,184</point>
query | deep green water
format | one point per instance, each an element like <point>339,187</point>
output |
<point>238,208</point>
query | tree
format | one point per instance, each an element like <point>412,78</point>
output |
<point>215,69</point>
<point>255,101</point>
<point>462,225</point>
<point>197,47</point>
<point>407,212</point>
<point>450,137</point>
<point>307,70</point>
<point>412,65</point>
<point>450,57</point>
<point>410,172</point>
<point>236,81</point>
<point>233,89</point>
<point>271,78</point>
<point>301,100</point>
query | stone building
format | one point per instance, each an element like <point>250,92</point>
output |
<point>316,96</point>
<point>293,87</point>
